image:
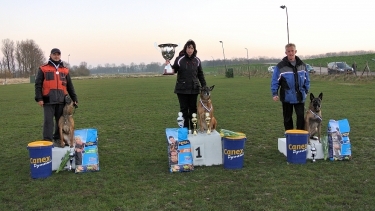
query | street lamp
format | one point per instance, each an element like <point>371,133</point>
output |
<point>68,60</point>
<point>222,45</point>
<point>213,62</point>
<point>247,55</point>
<point>287,27</point>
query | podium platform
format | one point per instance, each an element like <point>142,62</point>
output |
<point>58,154</point>
<point>319,148</point>
<point>206,149</point>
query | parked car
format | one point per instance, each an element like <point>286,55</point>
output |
<point>271,69</point>
<point>339,68</point>
<point>310,69</point>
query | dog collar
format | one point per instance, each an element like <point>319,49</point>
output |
<point>205,106</point>
<point>316,115</point>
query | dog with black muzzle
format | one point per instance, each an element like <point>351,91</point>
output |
<point>205,106</point>
<point>66,123</point>
<point>313,118</point>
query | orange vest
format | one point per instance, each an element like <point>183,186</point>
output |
<point>54,79</point>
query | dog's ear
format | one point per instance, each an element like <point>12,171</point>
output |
<point>212,87</point>
<point>321,96</point>
<point>311,96</point>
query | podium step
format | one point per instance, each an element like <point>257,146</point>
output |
<point>206,149</point>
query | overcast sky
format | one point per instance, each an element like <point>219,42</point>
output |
<point>124,31</point>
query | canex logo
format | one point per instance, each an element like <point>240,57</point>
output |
<point>38,162</point>
<point>297,148</point>
<point>233,153</point>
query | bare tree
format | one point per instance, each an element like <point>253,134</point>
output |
<point>123,68</point>
<point>29,57</point>
<point>81,70</point>
<point>1,67</point>
<point>142,67</point>
<point>8,60</point>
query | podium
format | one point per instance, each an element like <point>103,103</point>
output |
<point>319,148</point>
<point>206,149</point>
<point>58,154</point>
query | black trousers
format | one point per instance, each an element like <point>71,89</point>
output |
<point>188,106</point>
<point>50,127</point>
<point>288,115</point>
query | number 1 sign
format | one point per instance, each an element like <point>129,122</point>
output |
<point>206,149</point>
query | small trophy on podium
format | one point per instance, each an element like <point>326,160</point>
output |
<point>208,119</point>
<point>180,120</point>
<point>194,120</point>
<point>313,152</point>
<point>71,156</point>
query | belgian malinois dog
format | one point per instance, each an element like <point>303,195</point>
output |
<point>205,106</point>
<point>66,123</point>
<point>313,118</point>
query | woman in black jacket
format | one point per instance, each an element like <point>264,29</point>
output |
<point>190,78</point>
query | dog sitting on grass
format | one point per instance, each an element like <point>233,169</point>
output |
<point>66,124</point>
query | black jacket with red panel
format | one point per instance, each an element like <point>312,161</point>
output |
<point>53,83</point>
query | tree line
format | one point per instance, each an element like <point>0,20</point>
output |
<point>156,67</point>
<point>22,59</point>
<point>153,67</point>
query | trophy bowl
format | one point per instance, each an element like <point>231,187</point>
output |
<point>167,51</point>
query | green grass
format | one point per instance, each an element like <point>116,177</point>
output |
<point>131,115</point>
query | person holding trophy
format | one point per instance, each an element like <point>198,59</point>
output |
<point>190,78</point>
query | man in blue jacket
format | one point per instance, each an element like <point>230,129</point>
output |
<point>292,79</point>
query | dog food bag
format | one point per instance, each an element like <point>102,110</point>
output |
<point>339,147</point>
<point>179,150</point>
<point>86,150</point>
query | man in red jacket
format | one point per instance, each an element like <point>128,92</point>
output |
<point>52,85</point>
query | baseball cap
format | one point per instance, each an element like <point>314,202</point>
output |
<point>55,50</point>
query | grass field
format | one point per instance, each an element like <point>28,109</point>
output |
<point>131,115</point>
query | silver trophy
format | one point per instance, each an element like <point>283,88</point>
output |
<point>71,156</point>
<point>313,152</point>
<point>167,51</point>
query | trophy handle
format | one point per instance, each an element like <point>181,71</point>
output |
<point>168,70</point>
